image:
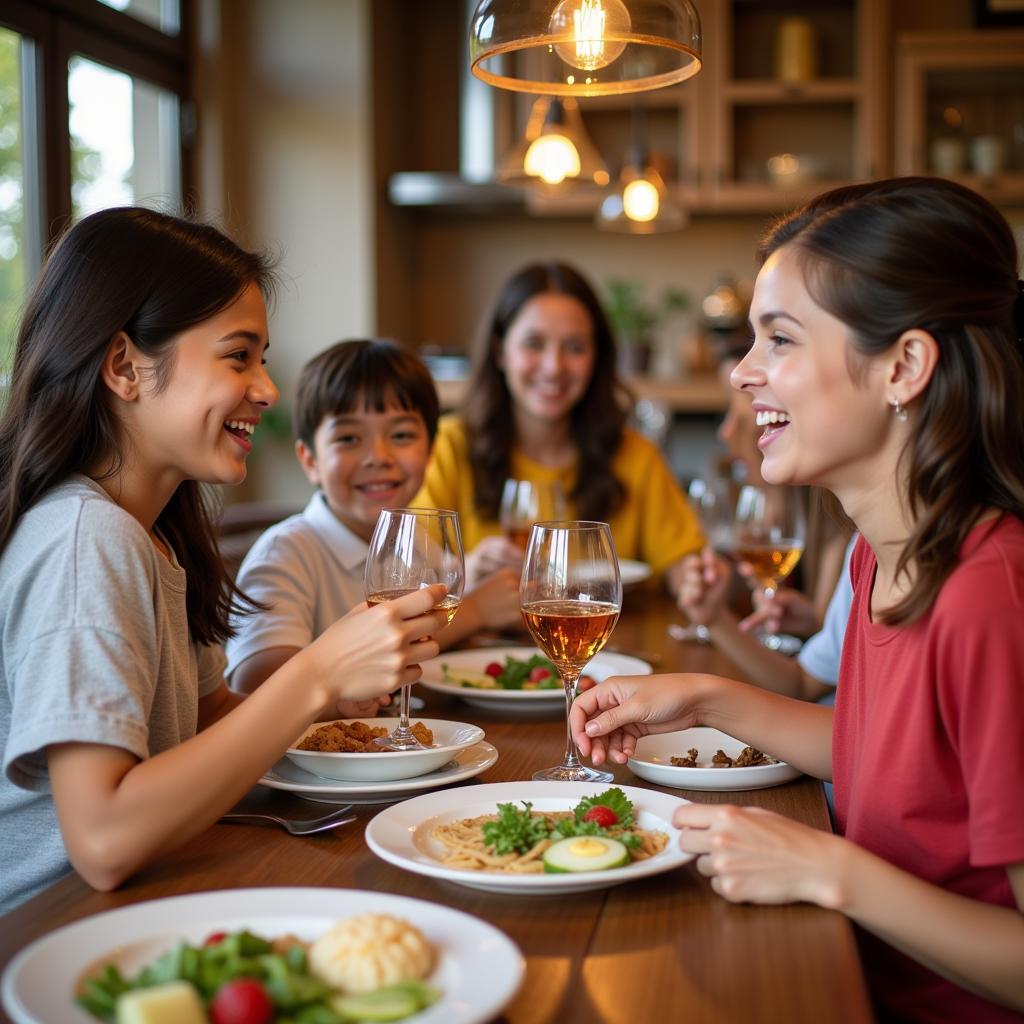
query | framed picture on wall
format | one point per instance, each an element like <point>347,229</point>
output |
<point>992,13</point>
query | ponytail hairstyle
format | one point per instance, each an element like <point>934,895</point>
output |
<point>889,256</point>
<point>597,420</point>
<point>152,276</point>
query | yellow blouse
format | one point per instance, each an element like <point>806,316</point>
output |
<point>655,523</point>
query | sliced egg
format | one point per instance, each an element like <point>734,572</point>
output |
<point>585,853</point>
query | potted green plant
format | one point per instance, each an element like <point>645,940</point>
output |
<point>635,319</point>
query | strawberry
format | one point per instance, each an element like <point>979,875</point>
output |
<point>494,669</point>
<point>214,938</point>
<point>539,673</point>
<point>601,815</point>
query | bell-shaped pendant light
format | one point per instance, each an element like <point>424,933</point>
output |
<point>640,203</point>
<point>554,149</point>
<point>584,47</point>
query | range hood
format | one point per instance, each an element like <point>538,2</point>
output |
<point>486,133</point>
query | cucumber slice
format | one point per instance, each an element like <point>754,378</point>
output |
<point>585,853</point>
<point>385,1004</point>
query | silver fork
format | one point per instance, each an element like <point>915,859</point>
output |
<point>298,827</point>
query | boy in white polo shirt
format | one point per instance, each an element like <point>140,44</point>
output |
<point>365,418</point>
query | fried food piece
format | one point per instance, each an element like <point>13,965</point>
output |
<point>751,756</point>
<point>721,760</point>
<point>423,734</point>
<point>690,761</point>
<point>356,738</point>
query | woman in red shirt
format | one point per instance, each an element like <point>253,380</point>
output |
<point>888,342</point>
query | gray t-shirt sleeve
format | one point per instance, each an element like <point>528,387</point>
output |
<point>820,656</point>
<point>212,664</point>
<point>82,652</point>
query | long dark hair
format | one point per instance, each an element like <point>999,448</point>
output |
<point>151,276</point>
<point>363,374</point>
<point>926,253</point>
<point>597,420</point>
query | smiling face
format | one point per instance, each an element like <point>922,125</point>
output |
<point>820,425</point>
<point>547,357</point>
<point>366,461</point>
<point>199,425</point>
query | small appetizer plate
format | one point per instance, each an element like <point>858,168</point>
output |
<point>653,762</point>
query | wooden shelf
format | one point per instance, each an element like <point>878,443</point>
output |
<point>697,393</point>
<point>758,91</point>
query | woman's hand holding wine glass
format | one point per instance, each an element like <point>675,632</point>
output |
<point>411,549</point>
<point>571,597</point>
<point>769,534</point>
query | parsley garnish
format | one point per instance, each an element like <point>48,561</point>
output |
<point>515,831</point>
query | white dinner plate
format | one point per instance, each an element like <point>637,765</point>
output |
<point>465,765</point>
<point>402,836</point>
<point>654,753</point>
<point>601,666</point>
<point>478,969</point>
<point>631,571</point>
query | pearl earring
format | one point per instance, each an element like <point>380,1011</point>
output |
<point>901,413</point>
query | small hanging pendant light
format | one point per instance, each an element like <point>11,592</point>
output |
<point>554,148</point>
<point>640,204</point>
<point>584,47</point>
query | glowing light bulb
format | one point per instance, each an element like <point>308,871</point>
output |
<point>552,158</point>
<point>640,200</point>
<point>594,31</point>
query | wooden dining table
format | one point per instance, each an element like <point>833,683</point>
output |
<point>664,948</point>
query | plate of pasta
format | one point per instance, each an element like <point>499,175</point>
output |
<point>518,678</point>
<point>530,837</point>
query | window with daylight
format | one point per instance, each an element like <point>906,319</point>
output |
<point>92,95</point>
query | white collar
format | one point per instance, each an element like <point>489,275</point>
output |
<point>347,548</point>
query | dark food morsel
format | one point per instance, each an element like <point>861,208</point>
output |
<point>749,757</point>
<point>690,761</point>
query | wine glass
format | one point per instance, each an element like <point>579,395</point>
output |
<point>525,502</point>
<point>712,500</point>
<point>570,595</point>
<point>768,534</point>
<point>412,548</point>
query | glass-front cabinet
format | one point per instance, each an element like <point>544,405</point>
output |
<point>960,112</point>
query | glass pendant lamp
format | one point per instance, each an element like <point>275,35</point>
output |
<point>640,204</point>
<point>554,148</point>
<point>584,47</point>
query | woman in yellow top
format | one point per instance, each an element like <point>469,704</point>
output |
<point>544,403</point>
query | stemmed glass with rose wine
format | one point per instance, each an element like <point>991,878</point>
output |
<point>525,502</point>
<point>571,596</point>
<point>413,548</point>
<point>768,534</point>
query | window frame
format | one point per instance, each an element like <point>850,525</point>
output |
<point>60,29</point>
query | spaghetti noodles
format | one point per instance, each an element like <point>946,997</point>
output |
<point>466,848</point>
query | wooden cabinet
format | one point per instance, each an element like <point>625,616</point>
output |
<point>960,109</point>
<point>715,136</point>
<point>778,136</point>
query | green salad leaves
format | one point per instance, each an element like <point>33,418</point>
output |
<point>517,831</point>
